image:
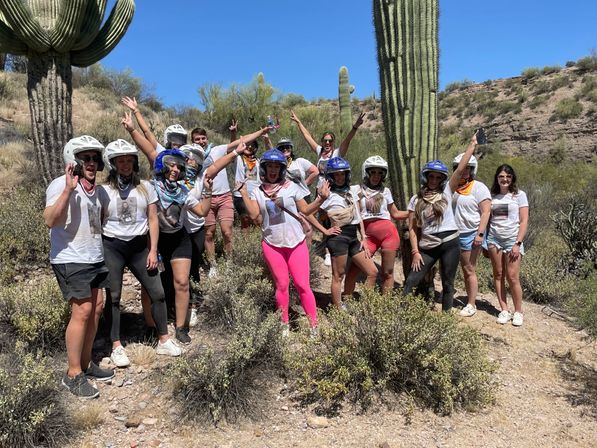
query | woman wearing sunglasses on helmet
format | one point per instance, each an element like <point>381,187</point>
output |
<point>432,228</point>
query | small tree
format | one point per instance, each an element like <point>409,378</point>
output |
<point>55,35</point>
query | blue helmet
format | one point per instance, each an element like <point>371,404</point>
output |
<point>272,156</point>
<point>169,156</point>
<point>436,166</point>
<point>336,165</point>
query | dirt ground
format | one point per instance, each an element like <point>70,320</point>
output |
<point>546,396</point>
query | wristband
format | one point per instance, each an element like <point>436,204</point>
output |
<point>135,111</point>
<point>518,243</point>
<point>481,234</point>
<point>355,128</point>
<point>414,252</point>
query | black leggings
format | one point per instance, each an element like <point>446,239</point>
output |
<point>449,255</point>
<point>198,242</point>
<point>119,254</point>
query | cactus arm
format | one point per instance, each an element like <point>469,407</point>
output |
<point>92,22</point>
<point>29,31</point>
<point>9,43</point>
<point>68,24</point>
<point>108,37</point>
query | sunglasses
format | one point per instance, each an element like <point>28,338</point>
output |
<point>377,172</point>
<point>86,158</point>
<point>328,140</point>
<point>285,147</point>
<point>180,166</point>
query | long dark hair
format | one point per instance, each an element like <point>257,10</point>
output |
<point>495,188</point>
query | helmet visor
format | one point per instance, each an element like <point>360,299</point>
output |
<point>177,139</point>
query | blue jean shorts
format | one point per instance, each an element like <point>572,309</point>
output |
<point>466,240</point>
<point>503,244</point>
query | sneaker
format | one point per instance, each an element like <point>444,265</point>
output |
<point>96,372</point>
<point>504,317</point>
<point>517,319</point>
<point>285,330</point>
<point>468,310</point>
<point>194,318</point>
<point>212,272</point>
<point>119,358</point>
<point>79,386</point>
<point>182,335</point>
<point>327,261</point>
<point>168,348</point>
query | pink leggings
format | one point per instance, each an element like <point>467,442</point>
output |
<point>281,261</point>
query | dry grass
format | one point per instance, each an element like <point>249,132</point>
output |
<point>140,354</point>
<point>89,415</point>
<point>14,163</point>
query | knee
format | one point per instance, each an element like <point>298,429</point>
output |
<point>468,270</point>
<point>227,234</point>
<point>513,278</point>
<point>181,284</point>
<point>388,274</point>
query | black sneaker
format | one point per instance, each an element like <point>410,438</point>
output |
<point>99,374</point>
<point>79,386</point>
<point>182,335</point>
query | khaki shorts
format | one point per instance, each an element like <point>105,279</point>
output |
<point>222,209</point>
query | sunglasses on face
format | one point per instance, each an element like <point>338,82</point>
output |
<point>285,148</point>
<point>376,172</point>
<point>328,140</point>
<point>86,158</point>
<point>180,166</point>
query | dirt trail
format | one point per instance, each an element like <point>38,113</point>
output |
<point>546,397</point>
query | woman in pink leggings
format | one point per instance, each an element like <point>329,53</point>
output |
<point>278,202</point>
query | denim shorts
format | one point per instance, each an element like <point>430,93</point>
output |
<point>76,280</point>
<point>503,244</point>
<point>466,240</point>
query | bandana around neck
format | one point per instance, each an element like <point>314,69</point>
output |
<point>466,189</point>
<point>89,187</point>
<point>124,182</point>
<point>170,192</point>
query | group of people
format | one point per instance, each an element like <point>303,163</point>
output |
<point>162,228</point>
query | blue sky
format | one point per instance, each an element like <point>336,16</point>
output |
<point>178,45</point>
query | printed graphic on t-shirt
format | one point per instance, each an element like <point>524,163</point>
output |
<point>500,211</point>
<point>171,215</point>
<point>429,217</point>
<point>251,174</point>
<point>126,210</point>
<point>94,213</point>
<point>373,204</point>
<point>274,212</point>
<point>321,165</point>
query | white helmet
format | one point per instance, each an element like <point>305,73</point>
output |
<point>117,148</point>
<point>175,129</point>
<point>472,163</point>
<point>374,162</point>
<point>79,144</point>
<point>193,151</point>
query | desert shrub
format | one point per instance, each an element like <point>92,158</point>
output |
<point>458,85</point>
<point>559,82</point>
<point>505,107</point>
<point>36,313</point>
<point>576,225</point>
<point>549,69</point>
<point>583,304</point>
<point>588,89</point>
<point>530,73</point>
<point>31,412</point>
<point>540,87</point>
<point>23,234</point>
<point>106,127</point>
<point>587,64</point>
<point>231,384</point>
<point>394,345</point>
<point>509,83</point>
<point>566,109</point>
<point>537,101</point>
<point>570,64</point>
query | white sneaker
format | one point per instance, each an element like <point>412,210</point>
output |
<point>504,317</point>
<point>119,358</point>
<point>327,260</point>
<point>168,348</point>
<point>517,319</point>
<point>468,311</point>
<point>194,318</point>
<point>212,272</point>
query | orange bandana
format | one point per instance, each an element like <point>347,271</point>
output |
<point>466,189</point>
<point>250,162</point>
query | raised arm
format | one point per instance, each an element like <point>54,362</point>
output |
<point>56,213</point>
<point>267,141</point>
<point>247,138</point>
<point>141,142</point>
<point>224,161</point>
<point>202,209</point>
<point>131,103</point>
<point>233,128</point>
<point>306,134</point>
<point>346,142</point>
<point>463,163</point>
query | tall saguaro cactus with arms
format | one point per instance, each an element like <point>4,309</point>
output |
<point>344,103</point>
<point>55,35</point>
<point>407,54</point>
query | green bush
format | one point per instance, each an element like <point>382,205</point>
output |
<point>530,73</point>
<point>458,85</point>
<point>587,64</point>
<point>583,305</point>
<point>23,235</point>
<point>36,313</point>
<point>31,412</point>
<point>566,109</point>
<point>537,101</point>
<point>559,82</point>
<point>540,87</point>
<point>588,89</point>
<point>393,345</point>
<point>549,69</point>
<point>570,64</point>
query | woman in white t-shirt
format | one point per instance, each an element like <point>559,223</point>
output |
<point>377,210</point>
<point>247,171</point>
<point>278,202</point>
<point>130,216</point>
<point>299,170</point>
<point>433,231</point>
<point>507,229</point>
<point>471,203</point>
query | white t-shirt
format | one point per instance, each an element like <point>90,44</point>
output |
<point>243,173</point>
<point>375,206</point>
<point>192,222</point>
<point>505,214</point>
<point>430,226</point>
<point>126,214</point>
<point>79,239</point>
<point>278,227</point>
<point>467,213</point>
<point>336,201</point>
<point>297,173</point>
<point>221,184</point>
<point>172,219</point>
<point>323,161</point>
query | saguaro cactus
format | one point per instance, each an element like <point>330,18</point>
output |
<point>407,53</point>
<point>344,91</point>
<point>54,35</point>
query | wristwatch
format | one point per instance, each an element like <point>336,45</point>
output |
<point>519,243</point>
<point>481,234</point>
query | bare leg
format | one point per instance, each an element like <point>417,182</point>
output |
<point>388,258</point>
<point>497,264</point>
<point>367,266</point>
<point>181,267</point>
<point>513,276</point>
<point>226,227</point>
<point>468,262</point>
<point>210,245</point>
<point>338,271</point>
